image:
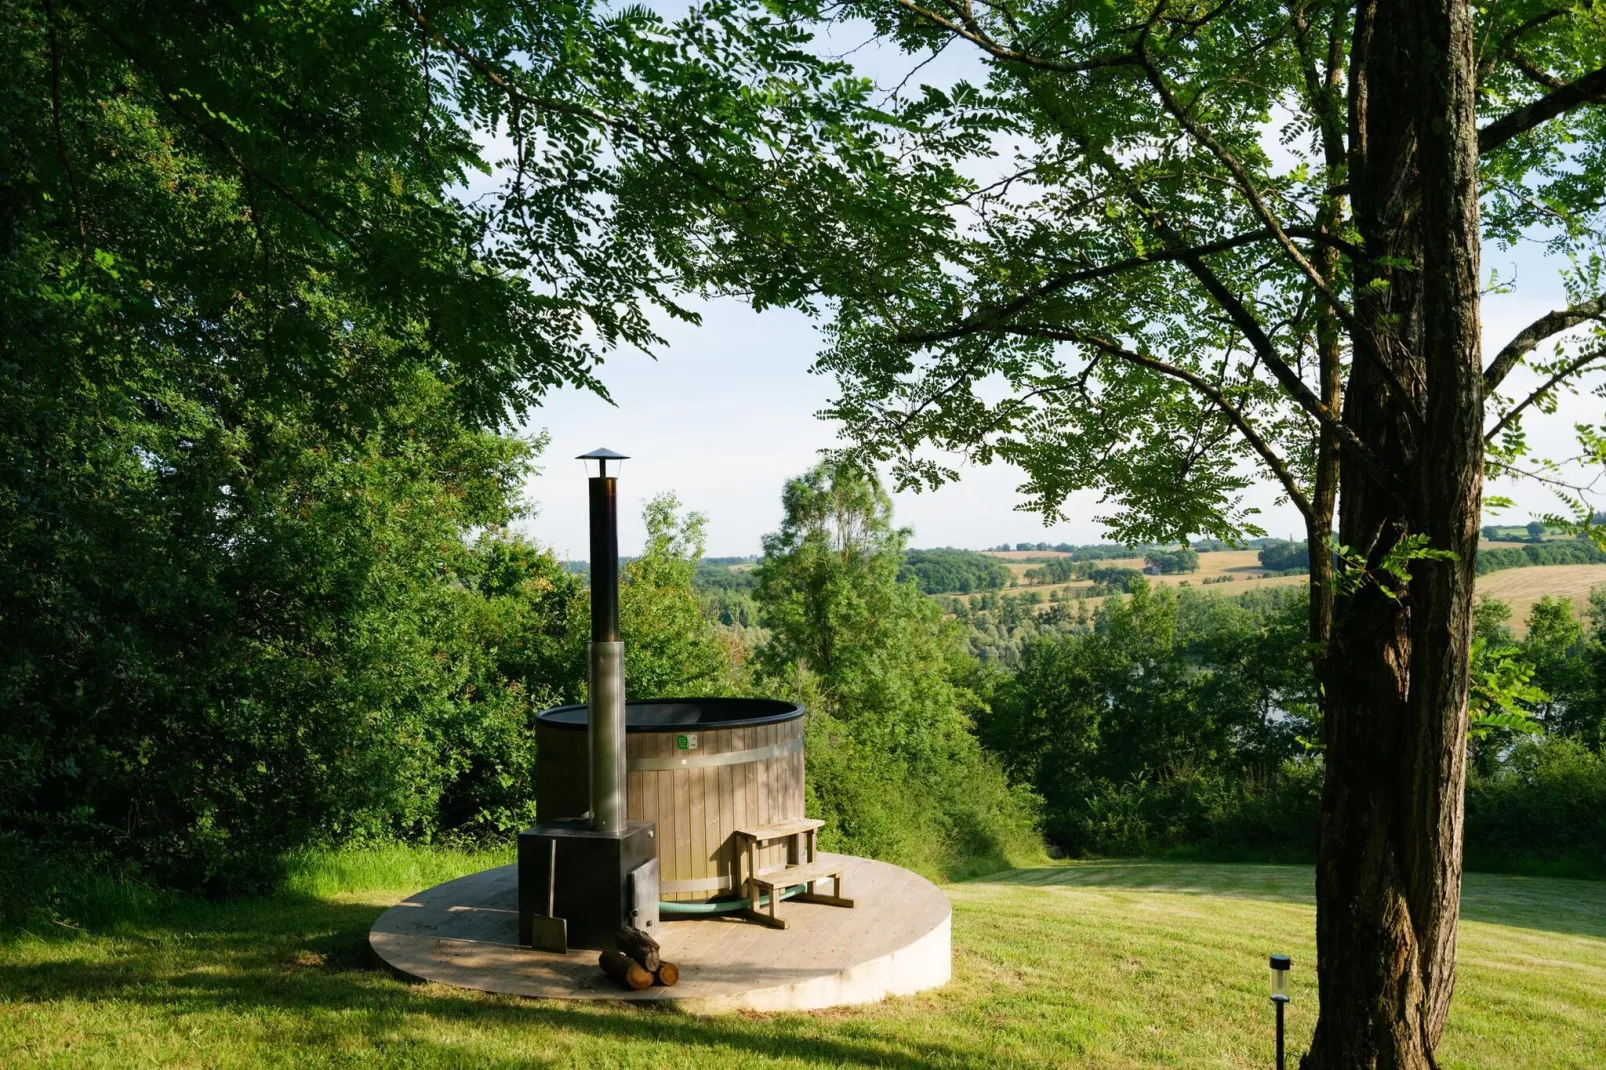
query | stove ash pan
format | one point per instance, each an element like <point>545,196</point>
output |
<point>701,768</point>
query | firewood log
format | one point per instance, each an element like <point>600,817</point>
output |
<point>621,968</point>
<point>640,946</point>
<point>668,973</point>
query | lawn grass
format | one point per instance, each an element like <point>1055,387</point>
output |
<point>1097,964</point>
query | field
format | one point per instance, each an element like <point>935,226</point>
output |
<point>1238,564</point>
<point>1216,563</point>
<point>1025,555</point>
<point>1095,964</point>
<point>1520,588</point>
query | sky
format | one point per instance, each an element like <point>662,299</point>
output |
<point>727,412</point>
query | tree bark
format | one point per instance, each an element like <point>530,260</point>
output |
<point>1395,674</point>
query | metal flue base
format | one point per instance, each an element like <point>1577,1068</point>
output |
<point>604,881</point>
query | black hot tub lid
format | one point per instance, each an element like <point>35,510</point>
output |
<point>670,714</point>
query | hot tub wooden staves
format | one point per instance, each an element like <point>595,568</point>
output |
<point>701,768</point>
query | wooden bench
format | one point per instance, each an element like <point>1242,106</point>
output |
<point>803,866</point>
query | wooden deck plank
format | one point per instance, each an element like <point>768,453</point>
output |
<point>461,933</point>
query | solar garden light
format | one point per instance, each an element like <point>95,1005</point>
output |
<point>1280,965</point>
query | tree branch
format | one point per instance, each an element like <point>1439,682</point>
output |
<point>518,97</point>
<point>990,318</point>
<point>61,139</point>
<point>1321,91</point>
<point>1508,41</point>
<point>1251,192</point>
<point>1550,481</point>
<point>1534,73</point>
<point>1570,369</point>
<point>1240,315</point>
<point>1530,336</point>
<point>489,72</point>
<point>967,27</point>
<point>1269,456</point>
<point>1588,89</point>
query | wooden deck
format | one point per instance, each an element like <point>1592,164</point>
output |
<point>895,942</point>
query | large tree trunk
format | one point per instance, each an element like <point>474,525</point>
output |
<point>1395,675</point>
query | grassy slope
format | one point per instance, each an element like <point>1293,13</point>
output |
<point>1107,964</point>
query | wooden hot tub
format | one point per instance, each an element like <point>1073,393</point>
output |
<point>700,767</point>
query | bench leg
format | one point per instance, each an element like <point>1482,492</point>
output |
<point>837,900</point>
<point>764,919</point>
<point>753,913</point>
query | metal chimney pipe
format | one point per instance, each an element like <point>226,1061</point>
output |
<point>606,655</point>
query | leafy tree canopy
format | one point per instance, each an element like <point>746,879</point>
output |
<point>1198,245</point>
<point>274,277</point>
<point>890,689</point>
<point>671,648</point>
<point>1155,249</point>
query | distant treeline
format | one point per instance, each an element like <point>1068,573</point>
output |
<point>949,571</point>
<point>1557,552</point>
<point>1070,569</point>
<point>1105,550</point>
<point>1099,552</point>
<point>713,573</point>
<point>1283,557</point>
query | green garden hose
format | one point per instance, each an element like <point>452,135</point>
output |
<point>724,906</point>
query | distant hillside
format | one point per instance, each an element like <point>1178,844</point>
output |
<point>725,574</point>
<point>1104,551</point>
<point>949,571</point>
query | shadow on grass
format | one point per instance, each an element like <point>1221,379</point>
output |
<point>306,962</point>
<point>1545,904</point>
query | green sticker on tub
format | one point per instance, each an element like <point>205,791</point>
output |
<point>686,742</point>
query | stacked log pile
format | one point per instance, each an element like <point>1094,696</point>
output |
<point>637,963</point>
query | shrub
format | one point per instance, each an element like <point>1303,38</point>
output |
<point>893,766</point>
<point>1542,812</point>
<point>1285,557</point>
<point>1170,562</point>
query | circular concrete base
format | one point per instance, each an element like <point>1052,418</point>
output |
<point>895,941</point>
